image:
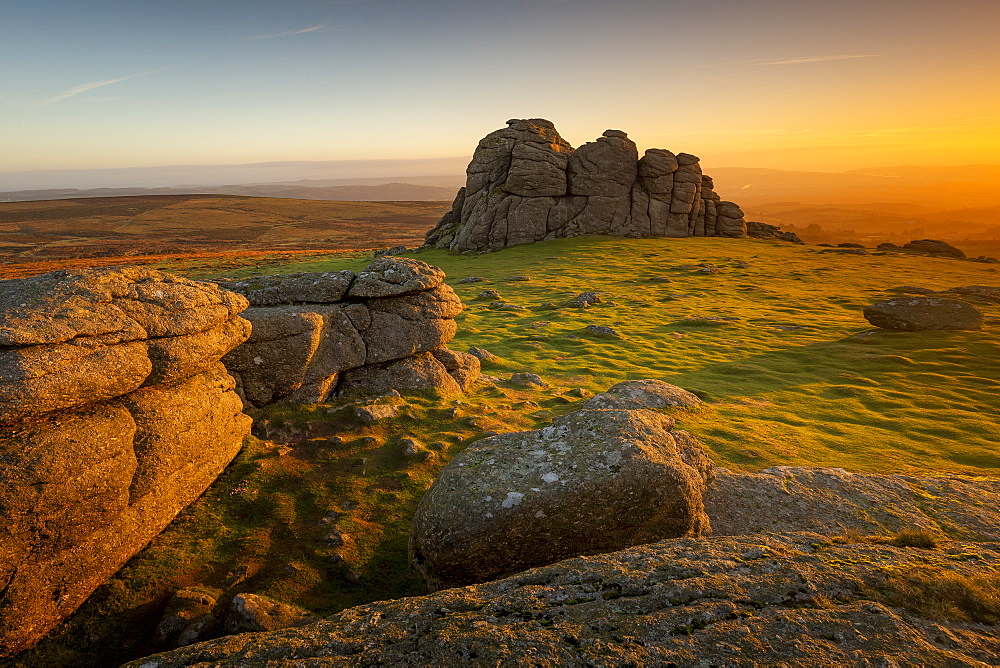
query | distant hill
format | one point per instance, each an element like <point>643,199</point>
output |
<point>156,224</point>
<point>384,192</point>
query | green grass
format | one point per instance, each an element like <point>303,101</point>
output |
<point>798,377</point>
<point>789,370</point>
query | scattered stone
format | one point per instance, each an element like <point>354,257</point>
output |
<point>525,379</point>
<point>368,442</point>
<point>585,299</point>
<point>648,393</point>
<point>848,244</point>
<point>933,247</point>
<point>251,613</point>
<point>602,330</point>
<point>376,413</point>
<point>578,392</point>
<point>709,270</point>
<point>504,306</point>
<point>186,607</point>
<point>472,279</point>
<point>395,250</point>
<point>912,314</point>
<point>482,354</point>
<point>986,260</point>
<point>411,447</point>
<point>593,482</point>
<point>742,265</point>
<point>513,279</point>
<point>490,294</point>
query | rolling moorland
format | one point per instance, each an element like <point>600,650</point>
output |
<point>768,334</point>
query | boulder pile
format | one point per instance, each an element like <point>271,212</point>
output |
<point>115,414</point>
<point>337,333</point>
<point>526,183</point>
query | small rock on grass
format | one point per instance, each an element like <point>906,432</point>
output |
<point>525,379</point>
<point>505,306</point>
<point>483,354</point>
<point>472,279</point>
<point>519,278</point>
<point>647,393</point>
<point>376,412</point>
<point>411,447</point>
<point>602,330</point>
<point>489,294</point>
<point>585,299</point>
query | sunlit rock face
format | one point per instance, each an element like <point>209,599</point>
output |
<point>526,183</point>
<point>317,336</point>
<point>115,414</point>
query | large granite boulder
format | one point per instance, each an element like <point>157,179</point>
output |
<point>323,334</point>
<point>913,314</point>
<point>115,414</point>
<point>594,481</point>
<point>526,184</point>
<point>794,599</point>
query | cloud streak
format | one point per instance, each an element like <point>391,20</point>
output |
<point>83,88</point>
<point>288,33</point>
<point>819,59</point>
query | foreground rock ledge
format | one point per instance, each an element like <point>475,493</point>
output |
<point>793,599</point>
<point>115,414</point>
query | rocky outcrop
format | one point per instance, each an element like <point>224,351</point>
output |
<point>319,335</point>
<point>913,314</point>
<point>526,183</point>
<point>932,247</point>
<point>594,481</point>
<point>795,599</point>
<point>757,230</point>
<point>115,414</point>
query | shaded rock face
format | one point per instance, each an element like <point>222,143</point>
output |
<point>913,314</point>
<point>594,481</point>
<point>526,184</point>
<point>727,601</point>
<point>252,613</point>
<point>318,335</point>
<point>757,230</point>
<point>115,414</point>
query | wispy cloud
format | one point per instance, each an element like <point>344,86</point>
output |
<point>819,59</point>
<point>288,33</point>
<point>804,60</point>
<point>83,88</point>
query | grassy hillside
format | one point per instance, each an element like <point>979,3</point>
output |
<point>789,370</point>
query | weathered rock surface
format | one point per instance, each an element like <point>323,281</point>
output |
<point>252,613</point>
<point>116,415</point>
<point>187,608</point>
<point>648,393</point>
<point>831,501</point>
<point>913,314</point>
<point>794,599</point>
<point>322,333</point>
<point>594,481</point>
<point>526,184</point>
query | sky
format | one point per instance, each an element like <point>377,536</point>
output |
<point>786,84</point>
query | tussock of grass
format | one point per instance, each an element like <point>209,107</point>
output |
<point>940,594</point>
<point>921,538</point>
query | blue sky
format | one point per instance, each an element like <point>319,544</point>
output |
<point>803,84</point>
